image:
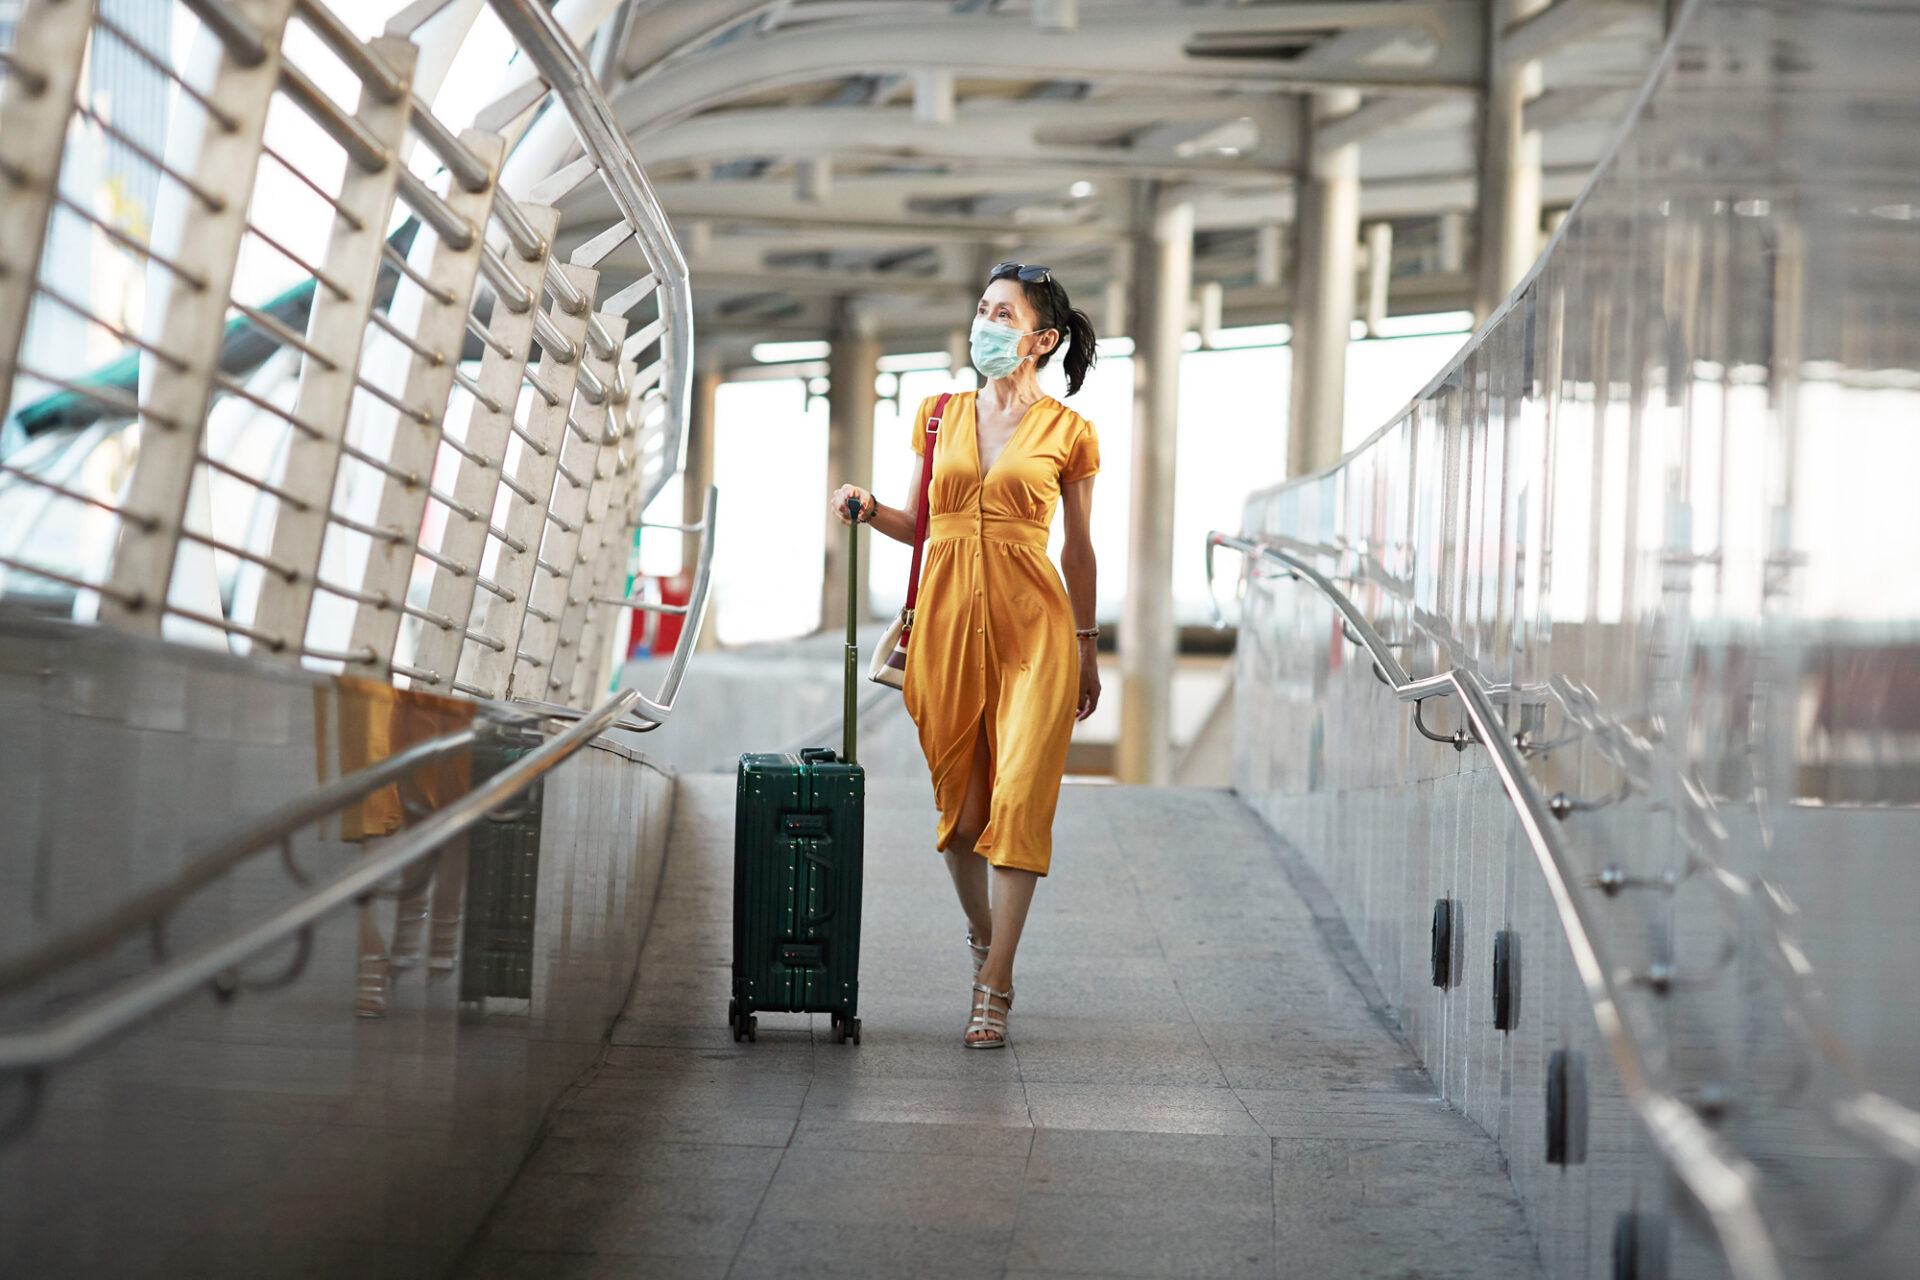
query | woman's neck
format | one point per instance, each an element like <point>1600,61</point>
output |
<point>1022,386</point>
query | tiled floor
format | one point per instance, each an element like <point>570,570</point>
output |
<point>1201,1082</point>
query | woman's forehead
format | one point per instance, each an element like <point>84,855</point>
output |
<point>1010,292</point>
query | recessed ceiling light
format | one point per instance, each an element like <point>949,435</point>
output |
<point>1080,190</point>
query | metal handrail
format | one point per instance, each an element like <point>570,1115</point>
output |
<point>105,931</point>
<point>560,64</point>
<point>112,1013</point>
<point>652,712</point>
<point>1722,1181</point>
<point>96,1021</point>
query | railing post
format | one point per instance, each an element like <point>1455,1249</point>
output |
<point>336,327</point>
<point>544,634</point>
<point>175,400</point>
<point>49,47</point>
<point>606,576</point>
<point>486,666</point>
<point>441,331</point>
<point>475,486</point>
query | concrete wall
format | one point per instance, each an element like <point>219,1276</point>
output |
<point>275,1133</point>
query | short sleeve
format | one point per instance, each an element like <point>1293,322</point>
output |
<point>919,441</point>
<point>1083,455</point>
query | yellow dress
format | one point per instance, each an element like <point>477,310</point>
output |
<point>993,631</point>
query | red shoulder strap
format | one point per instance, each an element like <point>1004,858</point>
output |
<point>920,512</point>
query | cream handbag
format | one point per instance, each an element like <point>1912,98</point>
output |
<point>889,663</point>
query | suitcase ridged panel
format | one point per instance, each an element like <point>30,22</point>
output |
<point>797,893</point>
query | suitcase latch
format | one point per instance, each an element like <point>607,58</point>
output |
<point>802,955</point>
<point>804,824</point>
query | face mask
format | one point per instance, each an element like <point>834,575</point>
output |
<point>993,347</point>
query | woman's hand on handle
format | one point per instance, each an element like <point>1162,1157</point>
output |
<point>840,500</point>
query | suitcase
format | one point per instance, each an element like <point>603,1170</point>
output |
<point>799,832</point>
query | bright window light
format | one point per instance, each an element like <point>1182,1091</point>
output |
<point>781,352</point>
<point>1253,335</point>
<point>1423,326</point>
<point>913,361</point>
<point>1080,190</point>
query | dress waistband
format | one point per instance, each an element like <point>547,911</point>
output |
<point>969,524</point>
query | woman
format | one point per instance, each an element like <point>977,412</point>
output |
<point>1001,659</point>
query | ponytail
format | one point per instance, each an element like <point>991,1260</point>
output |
<point>1080,348</point>
<point>1076,331</point>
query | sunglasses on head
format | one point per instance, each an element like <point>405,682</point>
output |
<point>1035,275</point>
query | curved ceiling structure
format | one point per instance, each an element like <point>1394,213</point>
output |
<point>883,152</point>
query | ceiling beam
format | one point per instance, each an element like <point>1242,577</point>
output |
<point>1132,44</point>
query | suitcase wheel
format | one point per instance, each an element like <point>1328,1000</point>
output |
<point>839,1031</point>
<point>852,1027</point>
<point>733,1012</point>
<point>753,1029</point>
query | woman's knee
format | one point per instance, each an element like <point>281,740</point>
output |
<point>966,834</point>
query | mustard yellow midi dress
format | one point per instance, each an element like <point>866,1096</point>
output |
<point>992,640</point>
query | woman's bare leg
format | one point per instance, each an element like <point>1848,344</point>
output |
<point>969,869</point>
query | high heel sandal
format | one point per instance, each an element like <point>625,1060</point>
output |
<point>979,954</point>
<point>988,1019</point>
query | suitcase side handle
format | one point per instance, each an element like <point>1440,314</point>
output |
<point>825,867</point>
<point>817,755</point>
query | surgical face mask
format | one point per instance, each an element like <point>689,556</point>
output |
<point>994,347</point>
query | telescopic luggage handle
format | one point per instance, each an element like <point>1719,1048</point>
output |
<point>850,731</point>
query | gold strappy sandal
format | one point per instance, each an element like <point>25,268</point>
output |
<point>988,1019</point>
<point>979,954</point>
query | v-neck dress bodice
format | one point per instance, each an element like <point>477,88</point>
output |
<point>992,633</point>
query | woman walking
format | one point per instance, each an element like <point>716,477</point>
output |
<point>1000,659</point>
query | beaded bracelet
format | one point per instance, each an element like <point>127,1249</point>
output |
<point>1086,633</point>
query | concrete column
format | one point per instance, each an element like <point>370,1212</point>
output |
<point>1266,255</point>
<point>1163,283</point>
<point>1509,230</point>
<point>697,475</point>
<point>1379,273</point>
<point>1327,223</point>
<point>852,366</point>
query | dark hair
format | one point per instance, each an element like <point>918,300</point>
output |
<point>1049,301</point>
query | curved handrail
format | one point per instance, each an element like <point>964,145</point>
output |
<point>1719,1179</point>
<point>651,713</point>
<point>105,931</point>
<point>561,65</point>
<point>116,1011</point>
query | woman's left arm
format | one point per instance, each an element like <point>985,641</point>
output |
<point>1077,568</point>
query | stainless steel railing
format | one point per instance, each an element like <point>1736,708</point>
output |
<point>423,462</point>
<point>126,1005</point>
<point>1721,1180</point>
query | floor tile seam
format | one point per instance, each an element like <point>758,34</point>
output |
<point>786,1149</point>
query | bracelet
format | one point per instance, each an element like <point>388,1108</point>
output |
<point>1086,633</point>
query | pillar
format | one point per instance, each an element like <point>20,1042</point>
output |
<point>1162,283</point>
<point>1379,273</point>
<point>852,366</point>
<point>1509,194</point>
<point>1327,222</point>
<point>696,476</point>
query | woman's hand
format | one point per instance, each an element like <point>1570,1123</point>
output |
<point>839,502</point>
<point>1089,679</point>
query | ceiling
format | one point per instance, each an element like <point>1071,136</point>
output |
<point>866,160</point>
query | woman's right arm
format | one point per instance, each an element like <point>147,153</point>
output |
<point>895,522</point>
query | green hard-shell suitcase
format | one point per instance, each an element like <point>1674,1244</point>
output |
<point>799,831</point>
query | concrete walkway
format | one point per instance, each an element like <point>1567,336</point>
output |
<point>1202,1082</point>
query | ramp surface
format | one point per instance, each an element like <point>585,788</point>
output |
<point>1202,1082</point>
